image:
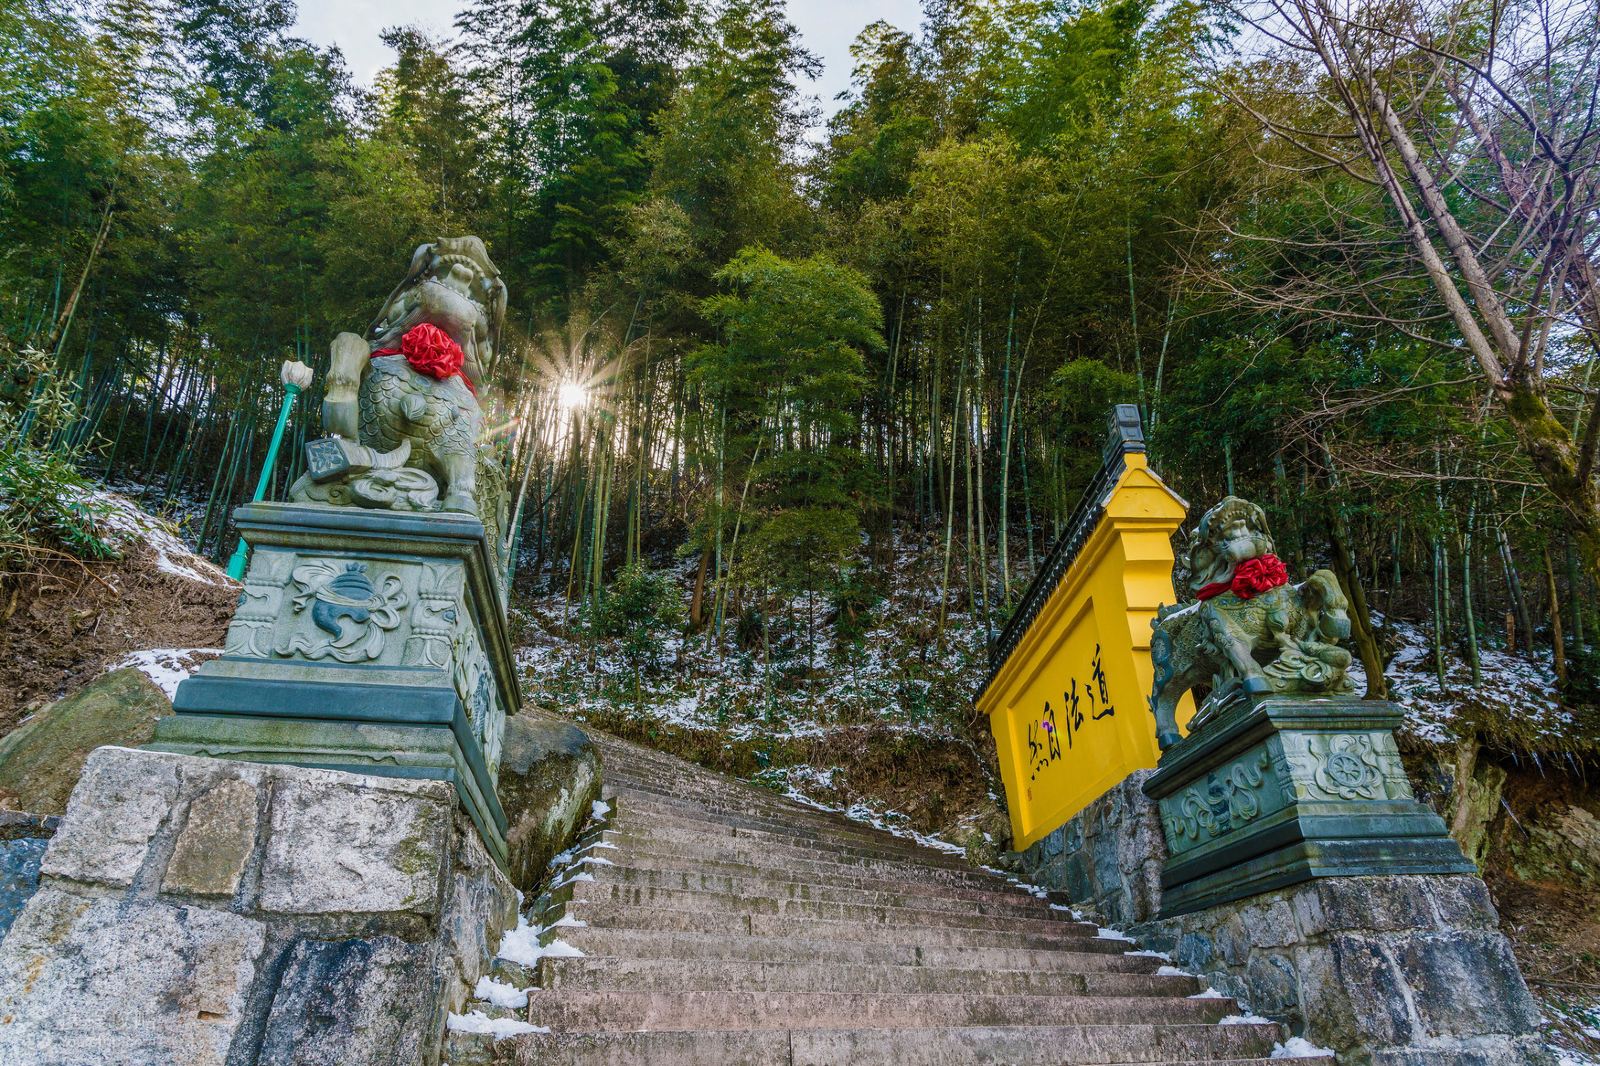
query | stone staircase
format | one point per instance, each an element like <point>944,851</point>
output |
<point>721,924</point>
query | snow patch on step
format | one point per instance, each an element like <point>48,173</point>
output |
<point>600,810</point>
<point>499,1028</point>
<point>1146,953</point>
<point>567,921</point>
<point>1164,971</point>
<point>1242,1019</point>
<point>1107,933</point>
<point>500,993</point>
<point>1209,993</point>
<point>565,858</point>
<point>522,946</point>
<point>1298,1047</point>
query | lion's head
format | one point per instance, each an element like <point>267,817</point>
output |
<point>1228,534</point>
<point>452,284</point>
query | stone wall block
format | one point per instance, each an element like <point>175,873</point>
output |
<point>1502,1051</point>
<point>1195,951</point>
<point>482,905</point>
<point>1272,988</point>
<point>1053,843</point>
<point>1464,903</point>
<point>1269,922</point>
<point>81,978</point>
<point>1233,942</point>
<point>216,843</point>
<point>1465,984</point>
<point>1370,903</point>
<point>114,815</point>
<point>364,1000</point>
<point>1353,996</point>
<point>348,844</point>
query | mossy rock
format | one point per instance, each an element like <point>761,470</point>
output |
<point>549,780</point>
<point>41,760</point>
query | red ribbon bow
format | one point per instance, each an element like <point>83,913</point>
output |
<point>1250,578</point>
<point>431,351</point>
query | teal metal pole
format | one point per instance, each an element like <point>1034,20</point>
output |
<point>241,553</point>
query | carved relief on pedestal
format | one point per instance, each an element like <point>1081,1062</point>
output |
<point>350,616</point>
<point>260,601</point>
<point>1230,798</point>
<point>474,682</point>
<point>1349,768</point>
<point>1346,766</point>
<point>436,617</point>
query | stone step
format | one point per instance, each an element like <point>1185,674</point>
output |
<point>1045,1045</point>
<point>618,916</point>
<point>757,900</point>
<point>736,861</point>
<point>631,1011</point>
<point>799,836</point>
<point>813,945</point>
<point>670,837</point>
<point>780,884</point>
<point>730,912</point>
<point>723,924</point>
<point>807,975</point>
<point>719,793</point>
<point>777,832</point>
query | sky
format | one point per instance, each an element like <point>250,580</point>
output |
<point>826,26</point>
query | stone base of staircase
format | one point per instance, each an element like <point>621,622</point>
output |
<point>707,921</point>
<point>1396,970</point>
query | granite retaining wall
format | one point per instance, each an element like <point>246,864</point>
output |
<point>1387,970</point>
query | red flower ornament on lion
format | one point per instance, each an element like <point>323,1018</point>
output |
<point>430,350</point>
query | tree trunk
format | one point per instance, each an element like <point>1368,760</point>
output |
<point>1361,630</point>
<point>1556,645</point>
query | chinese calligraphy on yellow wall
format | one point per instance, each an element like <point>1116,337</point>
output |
<point>1068,702</point>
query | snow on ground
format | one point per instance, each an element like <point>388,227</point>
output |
<point>167,667</point>
<point>1572,1027</point>
<point>805,692</point>
<point>894,673</point>
<point>121,522</point>
<point>1523,688</point>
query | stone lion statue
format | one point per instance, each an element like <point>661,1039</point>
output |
<point>1248,630</point>
<point>407,393</point>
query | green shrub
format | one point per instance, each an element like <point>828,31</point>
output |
<point>45,504</point>
<point>640,608</point>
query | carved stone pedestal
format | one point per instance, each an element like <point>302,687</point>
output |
<point>1280,790</point>
<point>366,641</point>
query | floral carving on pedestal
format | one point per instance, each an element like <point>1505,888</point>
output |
<point>1349,769</point>
<point>435,618</point>
<point>343,602</point>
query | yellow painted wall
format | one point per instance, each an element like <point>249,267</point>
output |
<point>1069,706</point>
